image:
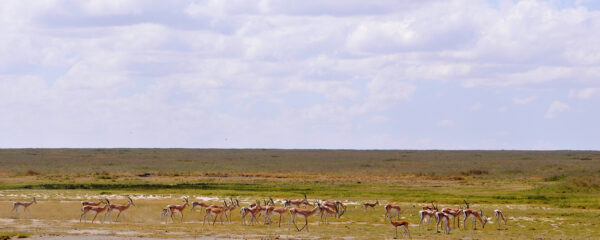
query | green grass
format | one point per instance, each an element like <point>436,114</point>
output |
<point>9,235</point>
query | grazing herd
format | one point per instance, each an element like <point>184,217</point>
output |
<point>301,208</point>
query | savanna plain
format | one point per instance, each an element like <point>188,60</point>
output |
<point>544,194</point>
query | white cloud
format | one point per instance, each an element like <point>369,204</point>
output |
<point>585,93</point>
<point>523,100</point>
<point>445,123</point>
<point>191,69</point>
<point>556,108</point>
<point>476,106</point>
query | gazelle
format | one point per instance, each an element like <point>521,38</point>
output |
<point>297,203</point>
<point>216,212</point>
<point>305,213</point>
<point>326,211</point>
<point>441,217</point>
<point>396,224</point>
<point>253,211</point>
<point>454,213</point>
<point>390,209</point>
<point>272,209</point>
<point>119,208</point>
<point>171,209</point>
<point>230,209</point>
<point>94,209</point>
<point>498,215</point>
<point>25,205</point>
<point>201,204</point>
<point>426,215</point>
<point>370,205</point>
<point>472,213</point>
<point>84,203</point>
<point>430,207</point>
<point>476,216</point>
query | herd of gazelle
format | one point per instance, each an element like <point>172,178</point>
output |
<point>324,208</point>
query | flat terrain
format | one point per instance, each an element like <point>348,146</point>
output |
<point>545,194</point>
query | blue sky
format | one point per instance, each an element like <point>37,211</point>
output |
<point>451,74</point>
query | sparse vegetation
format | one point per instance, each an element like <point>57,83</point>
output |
<point>519,182</point>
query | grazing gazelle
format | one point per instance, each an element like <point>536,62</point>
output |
<point>119,208</point>
<point>25,205</point>
<point>370,205</point>
<point>396,224</point>
<point>94,209</point>
<point>498,215</point>
<point>476,216</point>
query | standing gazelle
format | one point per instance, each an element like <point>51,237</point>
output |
<point>119,208</point>
<point>396,224</point>
<point>304,213</point>
<point>94,209</point>
<point>171,209</point>
<point>370,205</point>
<point>25,205</point>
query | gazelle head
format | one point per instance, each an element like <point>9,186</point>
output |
<point>466,204</point>
<point>272,202</point>
<point>187,200</point>
<point>304,196</point>
<point>34,201</point>
<point>376,202</point>
<point>237,202</point>
<point>485,220</point>
<point>107,203</point>
<point>225,202</point>
<point>287,203</point>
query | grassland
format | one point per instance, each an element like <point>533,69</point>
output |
<point>548,194</point>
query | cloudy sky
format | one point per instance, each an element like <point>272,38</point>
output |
<point>397,74</point>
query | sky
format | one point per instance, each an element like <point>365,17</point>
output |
<point>347,74</point>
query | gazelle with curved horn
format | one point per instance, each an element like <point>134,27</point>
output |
<point>216,212</point>
<point>25,205</point>
<point>297,203</point>
<point>229,209</point>
<point>252,210</point>
<point>476,215</point>
<point>119,208</point>
<point>396,224</point>
<point>326,211</point>
<point>272,209</point>
<point>370,205</point>
<point>304,213</point>
<point>171,209</point>
<point>498,215</point>
<point>94,209</point>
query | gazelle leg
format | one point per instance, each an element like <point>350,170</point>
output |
<point>94,217</point>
